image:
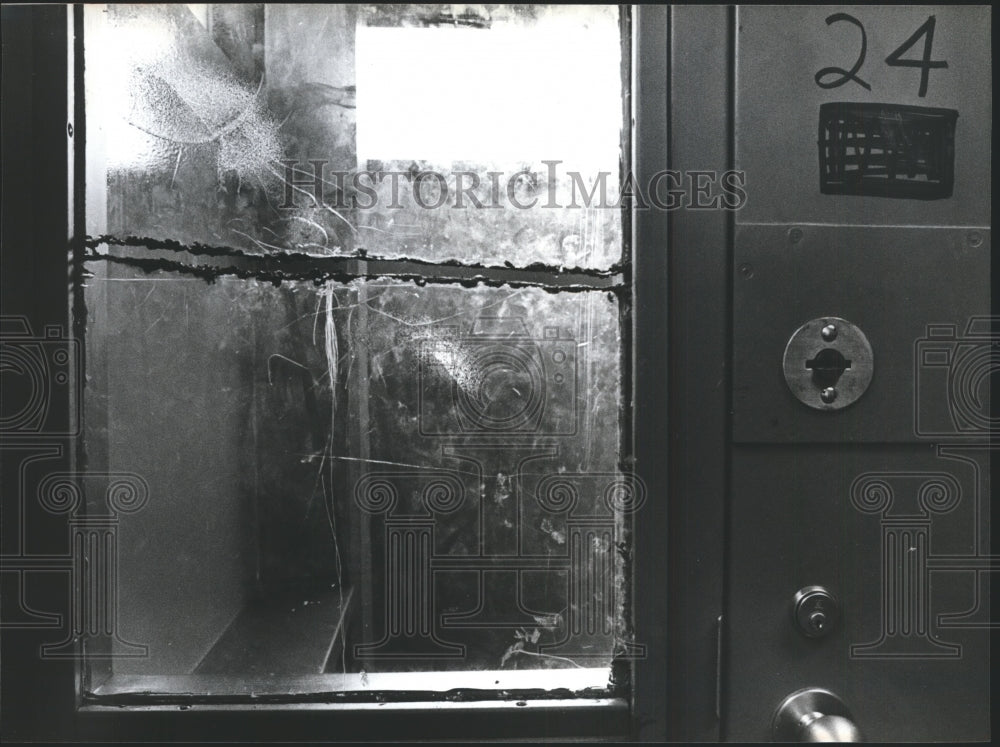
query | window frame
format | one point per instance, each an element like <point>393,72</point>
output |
<point>643,713</point>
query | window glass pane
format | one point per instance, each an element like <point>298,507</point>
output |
<point>512,418</point>
<point>352,480</point>
<point>485,134</point>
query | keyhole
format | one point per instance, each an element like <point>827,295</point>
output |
<point>827,367</point>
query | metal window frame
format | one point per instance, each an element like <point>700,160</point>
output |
<point>672,692</point>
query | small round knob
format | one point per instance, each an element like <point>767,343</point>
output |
<point>830,729</point>
<point>814,715</point>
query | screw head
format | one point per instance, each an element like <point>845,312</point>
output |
<point>829,332</point>
<point>828,395</point>
<point>795,235</point>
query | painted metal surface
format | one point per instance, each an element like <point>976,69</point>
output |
<point>865,134</point>
<point>783,51</point>
<point>891,282</point>
<point>697,374</point>
<point>810,515</point>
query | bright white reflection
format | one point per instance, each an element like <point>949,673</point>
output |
<point>549,89</point>
<point>111,58</point>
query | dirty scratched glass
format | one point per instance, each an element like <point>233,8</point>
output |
<point>291,437</point>
<point>432,132</point>
<point>338,472</point>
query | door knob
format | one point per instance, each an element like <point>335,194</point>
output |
<point>814,715</point>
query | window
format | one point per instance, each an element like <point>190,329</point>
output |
<point>357,351</point>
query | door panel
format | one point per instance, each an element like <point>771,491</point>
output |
<point>865,135</point>
<point>798,523</point>
<point>780,52</point>
<point>891,282</point>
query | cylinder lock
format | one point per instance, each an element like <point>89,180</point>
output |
<point>816,611</point>
<point>828,363</point>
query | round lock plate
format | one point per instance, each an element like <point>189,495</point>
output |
<point>828,363</point>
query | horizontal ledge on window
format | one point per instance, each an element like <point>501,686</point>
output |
<point>401,689</point>
<point>515,704</point>
<point>423,266</point>
<point>323,269</point>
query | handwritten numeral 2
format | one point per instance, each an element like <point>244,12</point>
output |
<point>845,75</point>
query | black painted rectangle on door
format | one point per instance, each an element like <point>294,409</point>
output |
<point>886,150</point>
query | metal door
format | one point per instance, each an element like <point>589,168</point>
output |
<point>865,137</point>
